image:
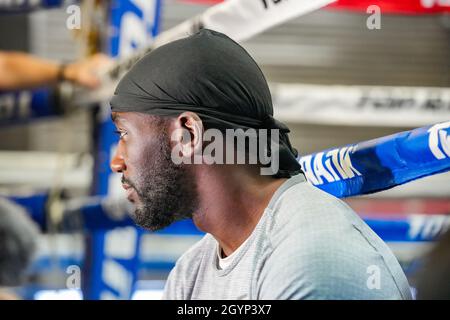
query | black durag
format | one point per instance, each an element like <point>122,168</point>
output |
<point>211,75</point>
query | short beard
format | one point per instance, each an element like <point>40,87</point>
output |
<point>166,192</point>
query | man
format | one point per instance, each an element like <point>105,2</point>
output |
<point>434,275</point>
<point>22,71</point>
<point>268,236</point>
<point>18,235</point>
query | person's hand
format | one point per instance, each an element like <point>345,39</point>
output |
<point>86,72</point>
<point>6,295</point>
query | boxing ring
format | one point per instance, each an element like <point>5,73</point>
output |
<point>115,251</point>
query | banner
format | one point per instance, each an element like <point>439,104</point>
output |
<point>395,6</point>
<point>243,19</point>
<point>360,105</point>
<point>13,6</point>
<point>294,103</point>
<point>382,163</point>
<point>27,105</point>
<point>386,6</point>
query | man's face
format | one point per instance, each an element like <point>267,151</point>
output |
<point>161,191</point>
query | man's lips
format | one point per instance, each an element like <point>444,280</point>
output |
<point>129,190</point>
<point>126,186</point>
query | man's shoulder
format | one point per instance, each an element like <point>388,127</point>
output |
<point>312,222</point>
<point>320,243</point>
<point>181,278</point>
<point>193,254</point>
<point>306,206</point>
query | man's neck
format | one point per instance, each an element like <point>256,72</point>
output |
<point>232,200</point>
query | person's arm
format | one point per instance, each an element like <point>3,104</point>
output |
<point>20,70</point>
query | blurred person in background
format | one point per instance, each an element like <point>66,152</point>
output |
<point>434,278</point>
<point>22,71</point>
<point>18,236</point>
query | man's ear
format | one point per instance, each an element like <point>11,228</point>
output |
<point>187,135</point>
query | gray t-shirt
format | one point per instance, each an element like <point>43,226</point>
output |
<point>307,245</point>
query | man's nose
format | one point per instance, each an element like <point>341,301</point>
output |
<point>117,163</point>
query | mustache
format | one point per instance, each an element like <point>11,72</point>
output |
<point>128,182</point>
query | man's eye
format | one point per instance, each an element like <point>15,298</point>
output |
<point>120,133</point>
